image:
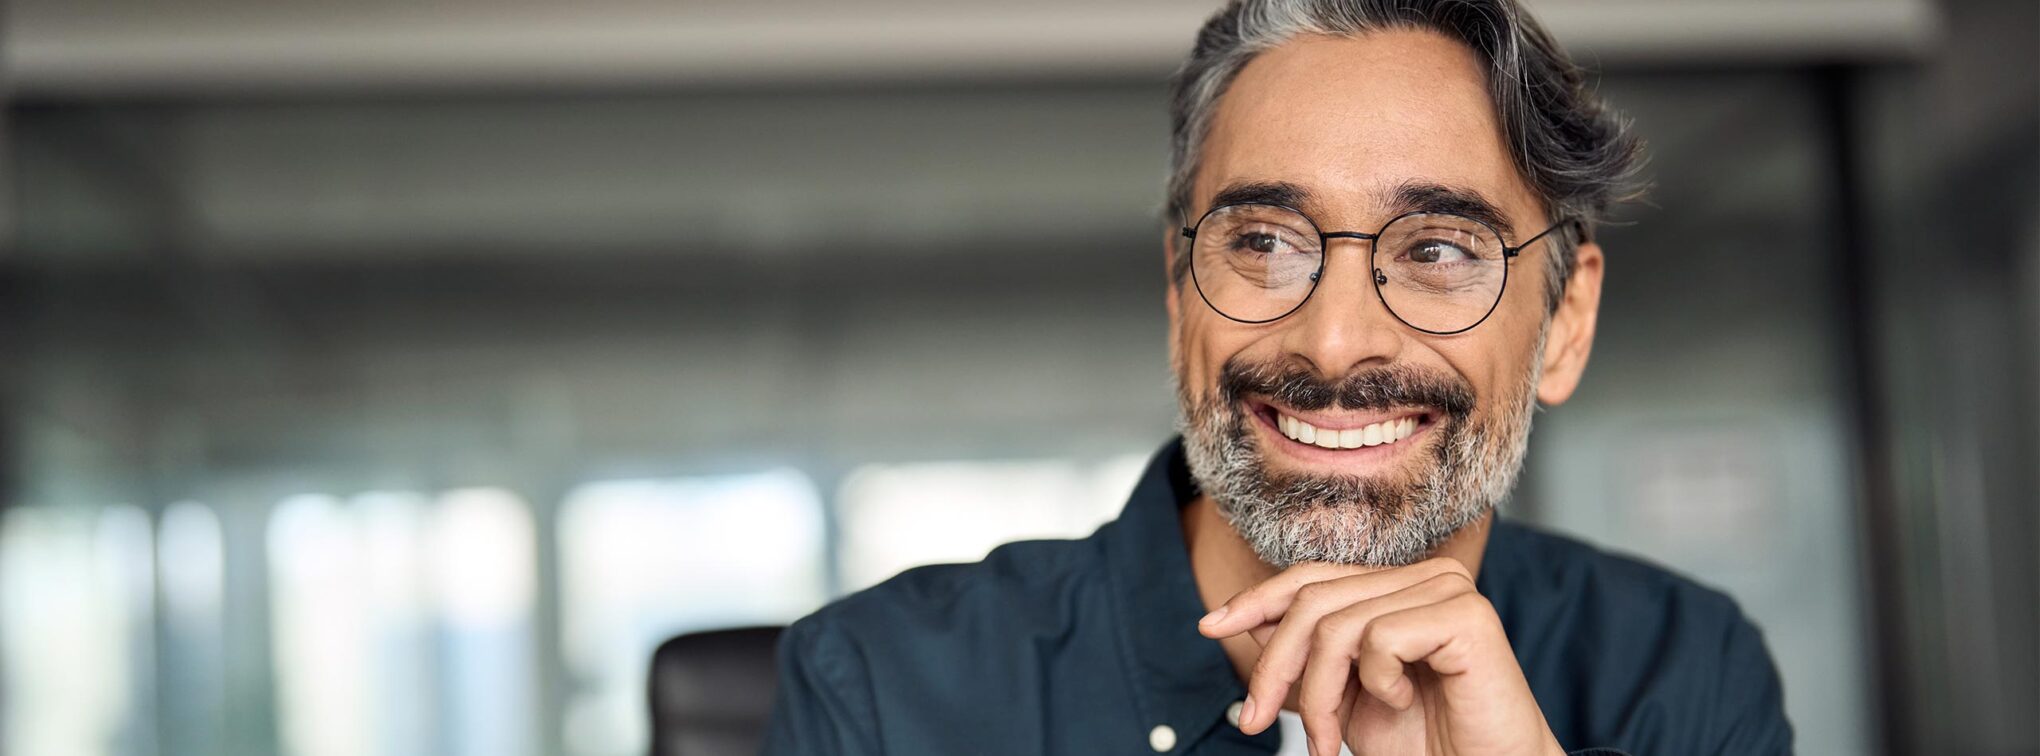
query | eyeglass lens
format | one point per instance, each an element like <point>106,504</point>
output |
<point>1437,272</point>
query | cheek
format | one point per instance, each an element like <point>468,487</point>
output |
<point>1496,357</point>
<point>1498,360</point>
<point>1203,344</point>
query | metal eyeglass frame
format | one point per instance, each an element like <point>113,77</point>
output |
<point>1380,278</point>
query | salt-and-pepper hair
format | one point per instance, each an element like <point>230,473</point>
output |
<point>1577,155</point>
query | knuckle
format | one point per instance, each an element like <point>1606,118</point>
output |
<point>1329,630</point>
<point>1475,609</point>
<point>1485,608</point>
<point>1453,580</point>
<point>1450,566</point>
<point>1382,632</point>
<point>1474,602</point>
<point>1353,620</point>
<point>1311,594</point>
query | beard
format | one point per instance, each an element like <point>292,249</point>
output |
<point>1397,518</point>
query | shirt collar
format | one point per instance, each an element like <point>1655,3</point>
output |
<point>1181,678</point>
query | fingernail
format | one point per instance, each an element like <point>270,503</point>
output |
<point>1247,710</point>
<point>1214,616</point>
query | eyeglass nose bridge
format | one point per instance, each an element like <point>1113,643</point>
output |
<point>1379,277</point>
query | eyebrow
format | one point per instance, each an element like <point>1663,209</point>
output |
<point>1428,197</point>
<point>1408,197</point>
<point>1282,193</point>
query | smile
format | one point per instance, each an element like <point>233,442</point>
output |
<point>1349,432</point>
<point>1376,434</point>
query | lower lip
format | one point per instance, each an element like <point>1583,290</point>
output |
<point>1346,459</point>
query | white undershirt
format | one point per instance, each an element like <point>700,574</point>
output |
<point>1293,742</point>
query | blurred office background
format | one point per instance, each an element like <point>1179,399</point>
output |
<point>390,378</point>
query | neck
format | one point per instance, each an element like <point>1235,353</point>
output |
<point>1224,565</point>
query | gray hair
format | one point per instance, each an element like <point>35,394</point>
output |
<point>1578,156</point>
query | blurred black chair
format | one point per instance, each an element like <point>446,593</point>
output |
<point>712,692</point>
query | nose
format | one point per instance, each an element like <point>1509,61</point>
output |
<point>1344,327</point>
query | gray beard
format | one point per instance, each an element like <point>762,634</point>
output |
<point>1290,518</point>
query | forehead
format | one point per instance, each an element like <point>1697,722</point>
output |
<point>1353,118</point>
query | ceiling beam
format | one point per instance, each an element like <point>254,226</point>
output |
<point>58,48</point>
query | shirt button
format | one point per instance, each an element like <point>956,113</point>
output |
<point>1162,738</point>
<point>1232,713</point>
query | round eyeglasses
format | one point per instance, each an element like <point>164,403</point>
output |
<point>1438,273</point>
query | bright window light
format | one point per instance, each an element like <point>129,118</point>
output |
<point>484,546</point>
<point>319,628</point>
<point>76,598</point>
<point>191,569</point>
<point>192,565</point>
<point>644,560</point>
<point>900,516</point>
<point>402,625</point>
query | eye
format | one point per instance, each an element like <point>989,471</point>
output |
<point>1263,241</point>
<point>1438,251</point>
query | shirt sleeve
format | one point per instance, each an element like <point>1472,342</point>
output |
<point>1752,705</point>
<point>823,705</point>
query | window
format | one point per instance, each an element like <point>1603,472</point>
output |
<point>900,516</point>
<point>643,560</point>
<point>403,624</point>
<point>76,585</point>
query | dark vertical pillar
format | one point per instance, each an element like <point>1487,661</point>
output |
<point>1890,665</point>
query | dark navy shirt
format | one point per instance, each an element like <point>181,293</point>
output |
<point>1089,646</point>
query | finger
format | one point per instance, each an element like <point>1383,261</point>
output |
<point>1388,732</point>
<point>1265,602</point>
<point>1328,672</point>
<point>1263,633</point>
<point>1319,706</point>
<point>1285,652</point>
<point>1335,644</point>
<point>1269,600</point>
<point>1449,636</point>
<point>1347,700</point>
<point>1324,721</point>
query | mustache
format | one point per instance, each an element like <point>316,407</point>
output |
<point>1380,388</point>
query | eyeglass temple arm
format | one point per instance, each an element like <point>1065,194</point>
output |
<point>1512,251</point>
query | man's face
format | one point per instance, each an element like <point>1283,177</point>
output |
<point>1350,125</point>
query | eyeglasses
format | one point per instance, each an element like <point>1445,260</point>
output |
<point>1438,273</point>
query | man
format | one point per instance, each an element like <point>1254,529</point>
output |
<point>1382,267</point>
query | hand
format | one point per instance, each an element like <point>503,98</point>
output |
<point>1399,660</point>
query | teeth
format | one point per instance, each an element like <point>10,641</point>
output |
<point>1351,438</point>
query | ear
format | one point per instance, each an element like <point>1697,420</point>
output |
<point>1170,238</point>
<point>1572,328</point>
